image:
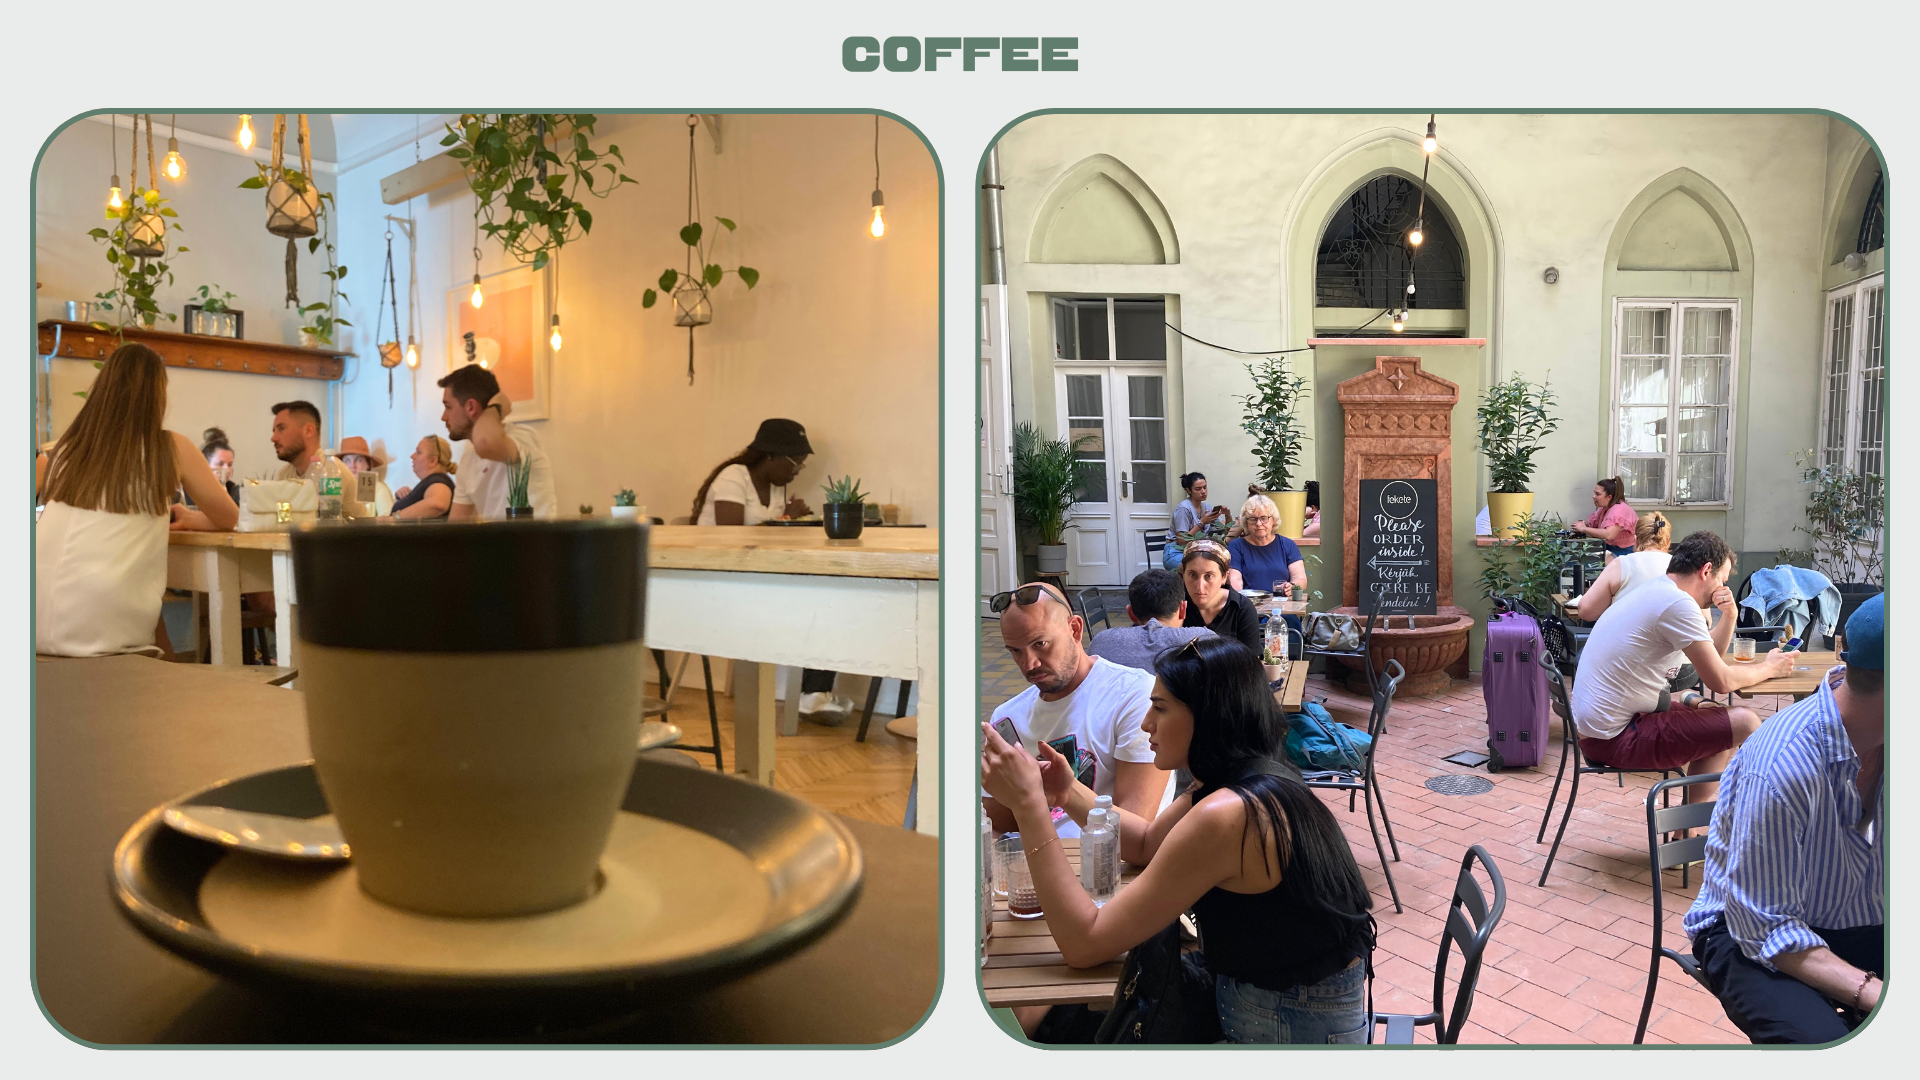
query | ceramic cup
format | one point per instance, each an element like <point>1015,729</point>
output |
<point>473,701</point>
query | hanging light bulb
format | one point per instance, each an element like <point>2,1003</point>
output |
<point>1399,320</point>
<point>413,353</point>
<point>879,225</point>
<point>176,165</point>
<point>246,131</point>
<point>1418,234</point>
<point>114,201</point>
<point>554,341</point>
<point>477,298</point>
<point>1430,143</point>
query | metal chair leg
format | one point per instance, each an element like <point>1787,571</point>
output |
<point>1385,867</point>
<point>1573,793</point>
<point>713,713</point>
<point>1566,754</point>
<point>1374,792</point>
<point>866,715</point>
<point>900,706</point>
<point>660,664</point>
<point>1653,982</point>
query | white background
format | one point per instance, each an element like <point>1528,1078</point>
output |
<point>63,60</point>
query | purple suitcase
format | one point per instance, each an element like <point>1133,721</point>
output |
<point>1515,686</point>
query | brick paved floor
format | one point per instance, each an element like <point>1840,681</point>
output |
<point>1568,962</point>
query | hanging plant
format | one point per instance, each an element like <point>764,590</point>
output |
<point>529,172</point>
<point>298,210</point>
<point>692,300</point>
<point>136,246</point>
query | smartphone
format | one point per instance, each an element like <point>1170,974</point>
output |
<point>1069,747</point>
<point>1003,727</point>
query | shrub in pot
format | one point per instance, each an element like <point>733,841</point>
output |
<point>1846,512</point>
<point>1529,568</point>
<point>1046,483</point>
<point>1514,418</point>
<point>1271,414</point>
<point>842,513</point>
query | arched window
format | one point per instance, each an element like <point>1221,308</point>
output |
<point>1873,220</point>
<point>1364,257</point>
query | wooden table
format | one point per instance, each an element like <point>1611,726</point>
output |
<point>1796,684</point>
<point>1294,690</point>
<point>1024,966</point>
<point>116,736</point>
<point>225,564</point>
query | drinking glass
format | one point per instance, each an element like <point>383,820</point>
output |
<point>1743,649</point>
<point>1280,589</point>
<point>1001,850</point>
<point>1023,900</point>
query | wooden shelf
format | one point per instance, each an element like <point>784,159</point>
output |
<point>80,341</point>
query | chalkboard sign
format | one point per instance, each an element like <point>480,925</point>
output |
<point>1399,546</point>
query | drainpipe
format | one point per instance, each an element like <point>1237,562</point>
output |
<point>995,271</point>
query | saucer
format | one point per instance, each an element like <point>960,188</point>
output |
<point>705,877</point>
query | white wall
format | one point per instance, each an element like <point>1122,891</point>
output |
<point>224,230</point>
<point>841,333</point>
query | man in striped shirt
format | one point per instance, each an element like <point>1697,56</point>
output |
<point>1790,925</point>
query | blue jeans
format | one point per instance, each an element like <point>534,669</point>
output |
<point>1333,1010</point>
<point>1170,557</point>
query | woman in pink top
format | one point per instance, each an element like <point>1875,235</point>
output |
<point>1612,521</point>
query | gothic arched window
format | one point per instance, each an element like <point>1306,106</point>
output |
<point>1364,258</point>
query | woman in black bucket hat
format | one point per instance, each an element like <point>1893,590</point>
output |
<point>739,491</point>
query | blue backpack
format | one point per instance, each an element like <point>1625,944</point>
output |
<point>1315,740</point>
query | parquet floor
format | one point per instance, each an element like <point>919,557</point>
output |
<point>1568,962</point>
<point>823,765</point>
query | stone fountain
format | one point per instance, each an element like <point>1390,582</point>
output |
<point>1399,427</point>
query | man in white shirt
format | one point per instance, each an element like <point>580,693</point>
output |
<point>1620,694</point>
<point>296,439</point>
<point>1099,702</point>
<point>474,410</point>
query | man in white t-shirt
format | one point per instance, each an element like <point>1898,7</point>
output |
<point>474,410</point>
<point>1099,702</point>
<point>1620,693</point>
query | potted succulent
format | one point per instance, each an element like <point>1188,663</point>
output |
<point>624,505</point>
<point>1845,515</point>
<point>842,514</point>
<point>1271,414</point>
<point>518,475</point>
<point>1046,484</point>
<point>586,509</point>
<point>1514,418</point>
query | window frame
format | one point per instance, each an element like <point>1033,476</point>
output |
<point>1676,335</point>
<point>1858,343</point>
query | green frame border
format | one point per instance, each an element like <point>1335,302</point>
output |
<point>979,240</point>
<point>33,946</point>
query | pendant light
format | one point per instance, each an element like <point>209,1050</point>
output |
<point>1399,320</point>
<point>476,298</point>
<point>878,226</point>
<point>114,201</point>
<point>176,165</point>
<point>1430,143</point>
<point>245,137</point>
<point>553,267</point>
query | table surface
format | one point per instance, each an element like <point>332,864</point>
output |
<point>1290,695</point>
<point>1024,966</point>
<point>116,736</point>
<point>912,554</point>
<point>1797,684</point>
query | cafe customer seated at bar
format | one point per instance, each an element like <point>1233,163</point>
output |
<point>476,411</point>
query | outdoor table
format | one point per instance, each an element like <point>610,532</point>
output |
<point>1796,684</point>
<point>1024,966</point>
<point>116,736</point>
<point>1294,690</point>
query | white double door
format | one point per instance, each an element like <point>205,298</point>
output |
<point>1118,415</point>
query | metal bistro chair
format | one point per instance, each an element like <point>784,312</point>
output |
<point>1666,820</point>
<point>1361,781</point>
<point>1085,602</point>
<point>1156,548</point>
<point>1570,752</point>
<point>873,699</point>
<point>1470,923</point>
<point>652,707</point>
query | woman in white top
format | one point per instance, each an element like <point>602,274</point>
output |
<point>739,491</point>
<point>1651,535</point>
<point>100,547</point>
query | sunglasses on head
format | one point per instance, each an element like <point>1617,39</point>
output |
<point>1025,596</point>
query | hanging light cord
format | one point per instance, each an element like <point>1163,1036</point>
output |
<point>876,151</point>
<point>1269,352</point>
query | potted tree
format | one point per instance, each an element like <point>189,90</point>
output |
<point>625,504</point>
<point>1514,418</point>
<point>1046,483</point>
<point>1271,414</point>
<point>1845,514</point>
<point>842,513</point>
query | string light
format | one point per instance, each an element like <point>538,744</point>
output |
<point>1399,320</point>
<point>245,137</point>
<point>413,352</point>
<point>878,226</point>
<point>114,202</point>
<point>1417,234</point>
<point>176,165</point>
<point>1430,143</point>
<point>555,339</point>
<point>476,298</point>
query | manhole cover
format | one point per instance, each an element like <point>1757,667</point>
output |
<point>1459,785</point>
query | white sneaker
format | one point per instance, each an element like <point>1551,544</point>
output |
<point>823,708</point>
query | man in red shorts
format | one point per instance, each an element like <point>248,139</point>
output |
<point>1620,691</point>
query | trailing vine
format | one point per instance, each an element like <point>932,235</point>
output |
<point>530,172</point>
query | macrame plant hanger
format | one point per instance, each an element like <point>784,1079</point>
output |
<point>389,350</point>
<point>291,213</point>
<point>693,307</point>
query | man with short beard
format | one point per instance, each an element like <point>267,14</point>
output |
<point>296,439</point>
<point>1097,701</point>
<point>475,411</point>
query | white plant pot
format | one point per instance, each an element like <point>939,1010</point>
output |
<point>629,513</point>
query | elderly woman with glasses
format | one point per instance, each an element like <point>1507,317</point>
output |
<point>1263,559</point>
<point>1211,602</point>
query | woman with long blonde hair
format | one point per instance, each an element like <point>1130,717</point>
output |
<point>1648,562</point>
<point>100,547</point>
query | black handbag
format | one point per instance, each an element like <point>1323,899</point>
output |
<point>1165,995</point>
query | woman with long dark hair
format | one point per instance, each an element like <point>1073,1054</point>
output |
<point>739,490</point>
<point>100,546</point>
<point>1257,858</point>
<point>1612,521</point>
<point>219,454</point>
<point>1192,518</point>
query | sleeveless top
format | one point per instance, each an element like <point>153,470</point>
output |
<point>1284,937</point>
<point>98,580</point>
<point>420,490</point>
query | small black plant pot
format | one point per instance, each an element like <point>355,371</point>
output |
<point>842,520</point>
<point>519,512</point>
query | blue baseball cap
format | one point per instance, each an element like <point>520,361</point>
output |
<point>1866,635</point>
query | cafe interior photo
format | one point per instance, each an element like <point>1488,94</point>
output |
<point>1425,378</point>
<point>547,648</point>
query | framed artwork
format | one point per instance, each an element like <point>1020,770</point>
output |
<point>508,335</point>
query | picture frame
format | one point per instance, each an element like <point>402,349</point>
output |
<point>227,324</point>
<point>510,329</point>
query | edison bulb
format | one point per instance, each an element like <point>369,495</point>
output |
<point>477,298</point>
<point>1399,321</point>
<point>878,227</point>
<point>176,165</point>
<point>1416,236</point>
<point>554,341</point>
<point>1429,144</point>
<point>413,354</point>
<point>114,201</point>
<point>246,131</point>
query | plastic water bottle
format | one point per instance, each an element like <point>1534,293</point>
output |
<point>986,883</point>
<point>332,484</point>
<point>1105,803</point>
<point>1096,857</point>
